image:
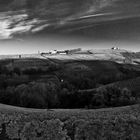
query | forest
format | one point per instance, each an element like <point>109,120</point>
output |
<point>73,84</point>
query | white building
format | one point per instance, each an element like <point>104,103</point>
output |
<point>115,48</point>
<point>53,52</point>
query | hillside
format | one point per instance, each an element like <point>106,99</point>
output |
<point>53,81</point>
<point>132,84</point>
<point>34,81</point>
<point>47,104</point>
<point>21,123</point>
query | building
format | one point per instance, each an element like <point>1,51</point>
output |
<point>115,48</point>
<point>53,52</point>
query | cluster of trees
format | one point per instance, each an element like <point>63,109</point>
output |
<point>33,95</point>
<point>88,80</point>
<point>50,95</point>
<point>10,70</point>
<point>57,87</point>
<point>104,97</point>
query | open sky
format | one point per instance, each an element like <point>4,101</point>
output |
<point>100,25</point>
<point>44,45</point>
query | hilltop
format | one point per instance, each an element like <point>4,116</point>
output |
<point>116,55</point>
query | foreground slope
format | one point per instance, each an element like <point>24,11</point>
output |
<point>66,124</point>
<point>21,124</point>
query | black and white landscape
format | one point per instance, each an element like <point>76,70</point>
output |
<point>69,70</point>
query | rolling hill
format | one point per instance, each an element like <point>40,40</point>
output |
<point>116,55</point>
<point>131,84</point>
<point>63,75</point>
<point>27,80</point>
<point>21,123</point>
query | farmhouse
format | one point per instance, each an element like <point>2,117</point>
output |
<point>54,52</point>
<point>115,48</point>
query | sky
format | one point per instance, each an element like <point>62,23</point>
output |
<point>109,24</point>
<point>47,44</point>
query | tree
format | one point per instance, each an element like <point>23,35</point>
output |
<point>29,96</point>
<point>17,71</point>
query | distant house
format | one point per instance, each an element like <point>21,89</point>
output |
<point>115,48</point>
<point>53,52</point>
